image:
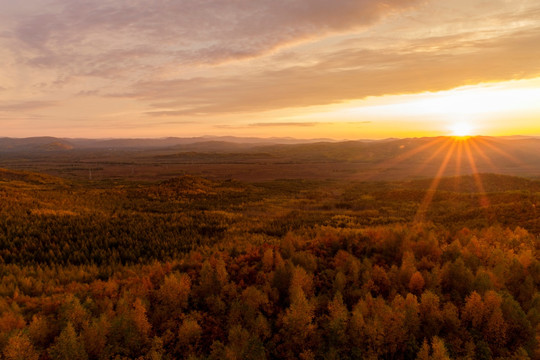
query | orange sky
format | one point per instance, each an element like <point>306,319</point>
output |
<point>306,69</point>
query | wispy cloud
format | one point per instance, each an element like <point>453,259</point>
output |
<point>286,124</point>
<point>26,105</point>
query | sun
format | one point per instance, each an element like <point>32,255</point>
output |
<point>461,129</point>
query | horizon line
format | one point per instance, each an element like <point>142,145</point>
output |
<point>269,138</point>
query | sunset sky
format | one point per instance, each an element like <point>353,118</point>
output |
<point>301,68</point>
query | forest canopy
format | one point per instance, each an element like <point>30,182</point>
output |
<point>204,269</point>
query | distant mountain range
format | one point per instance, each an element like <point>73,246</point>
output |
<point>203,143</point>
<point>53,143</point>
<point>268,158</point>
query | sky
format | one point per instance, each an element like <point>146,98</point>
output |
<point>291,68</point>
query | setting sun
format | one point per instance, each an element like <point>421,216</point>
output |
<point>461,129</point>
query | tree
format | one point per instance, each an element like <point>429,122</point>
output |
<point>268,260</point>
<point>174,292</point>
<point>19,347</point>
<point>380,282</point>
<point>496,327</point>
<point>416,284</point>
<point>156,351</point>
<point>301,281</point>
<point>430,314</point>
<point>95,337</point>
<point>473,311</point>
<point>189,335</point>
<point>439,350</point>
<point>242,345</point>
<point>457,280</point>
<point>72,311</point>
<point>336,330</point>
<point>297,324</point>
<point>130,329</point>
<point>41,331</point>
<point>68,346</point>
<point>423,354</point>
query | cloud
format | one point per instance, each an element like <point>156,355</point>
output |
<point>229,127</point>
<point>271,125</point>
<point>88,93</point>
<point>305,124</point>
<point>286,124</point>
<point>166,113</point>
<point>103,38</point>
<point>353,74</point>
<point>26,106</point>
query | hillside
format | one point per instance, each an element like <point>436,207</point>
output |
<point>8,177</point>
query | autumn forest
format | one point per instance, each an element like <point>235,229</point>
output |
<point>195,267</point>
<point>268,180</point>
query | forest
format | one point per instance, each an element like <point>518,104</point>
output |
<point>202,268</point>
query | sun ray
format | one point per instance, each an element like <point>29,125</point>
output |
<point>443,147</point>
<point>501,152</point>
<point>484,201</point>
<point>428,198</point>
<point>459,156</point>
<point>480,151</point>
<point>400,158</point>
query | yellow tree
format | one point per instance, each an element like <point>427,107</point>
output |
<point>439,350</point>
<point>68,346</point>
<point>473,311</point>
<point>423,354</point>
<point>94,336</point>
<point>188,335</point>
<point>40,331</point>
<point>174,292</point>
<point>338,318</point>
<point>19,347</point>
<point>297,325</point>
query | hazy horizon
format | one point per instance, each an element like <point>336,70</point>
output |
<point>207,136</point>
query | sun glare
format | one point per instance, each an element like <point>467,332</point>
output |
<point>461,129</point>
